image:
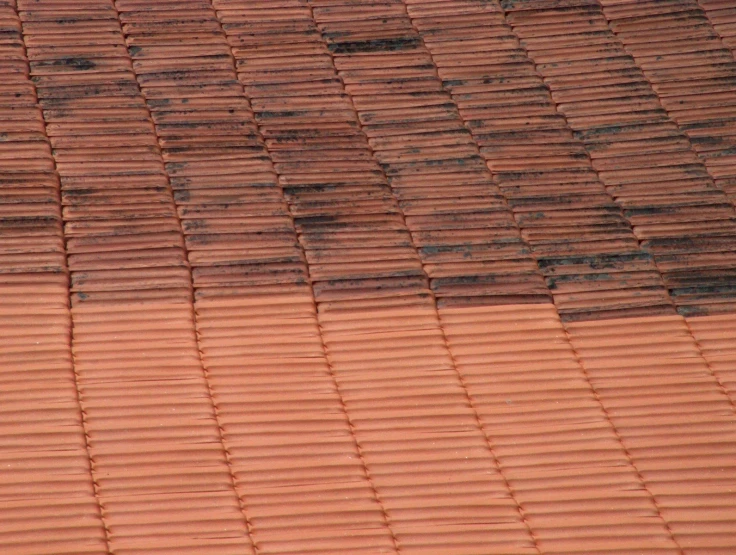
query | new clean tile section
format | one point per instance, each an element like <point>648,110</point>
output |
<point>642,157</point>
<point>298,469</point>
<point>552,433</point>
<point>47,491</point>
<point>161,472</point>
<point>715,338</point>
<point>674,418</point>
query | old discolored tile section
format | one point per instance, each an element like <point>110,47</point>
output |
<point>582,242</point>
<point>161,474</point>
<point>433,470</point>
<point>297,469</point>
<point>640,154</point>
<point>47,491</point>
<point>692,72</point>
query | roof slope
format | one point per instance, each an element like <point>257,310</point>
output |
<point>344,276</point>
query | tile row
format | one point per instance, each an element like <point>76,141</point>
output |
<point>47,489</point>
<point>296,467</point>
<point>644,160</point>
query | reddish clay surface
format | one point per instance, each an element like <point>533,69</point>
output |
<point>335,276</point>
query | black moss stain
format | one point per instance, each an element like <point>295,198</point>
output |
<point>81,64</point>
<point>378,45</point>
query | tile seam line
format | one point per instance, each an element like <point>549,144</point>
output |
<point>613,199</point>
<point>242,504</point>
<point>461,381</point>
<point>70,335</point>
<point>333,376</point>
<point>715,30</point>
<point>686,136</point>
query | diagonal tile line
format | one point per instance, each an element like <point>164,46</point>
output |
<point>359,449</point>
<point>349,421</point>
<point>489,441</point>
<point>242,503</point>
<point>70,340</point>
<point>83,413</point>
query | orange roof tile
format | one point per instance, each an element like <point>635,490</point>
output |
<point>397,276</point>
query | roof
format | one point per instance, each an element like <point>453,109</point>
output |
<point>348,276</point>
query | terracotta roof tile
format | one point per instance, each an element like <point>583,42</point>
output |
<point>336,276</point>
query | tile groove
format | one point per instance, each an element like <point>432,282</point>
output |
<point>351,425</point>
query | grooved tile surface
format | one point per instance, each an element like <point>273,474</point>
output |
<point>421,277</point>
